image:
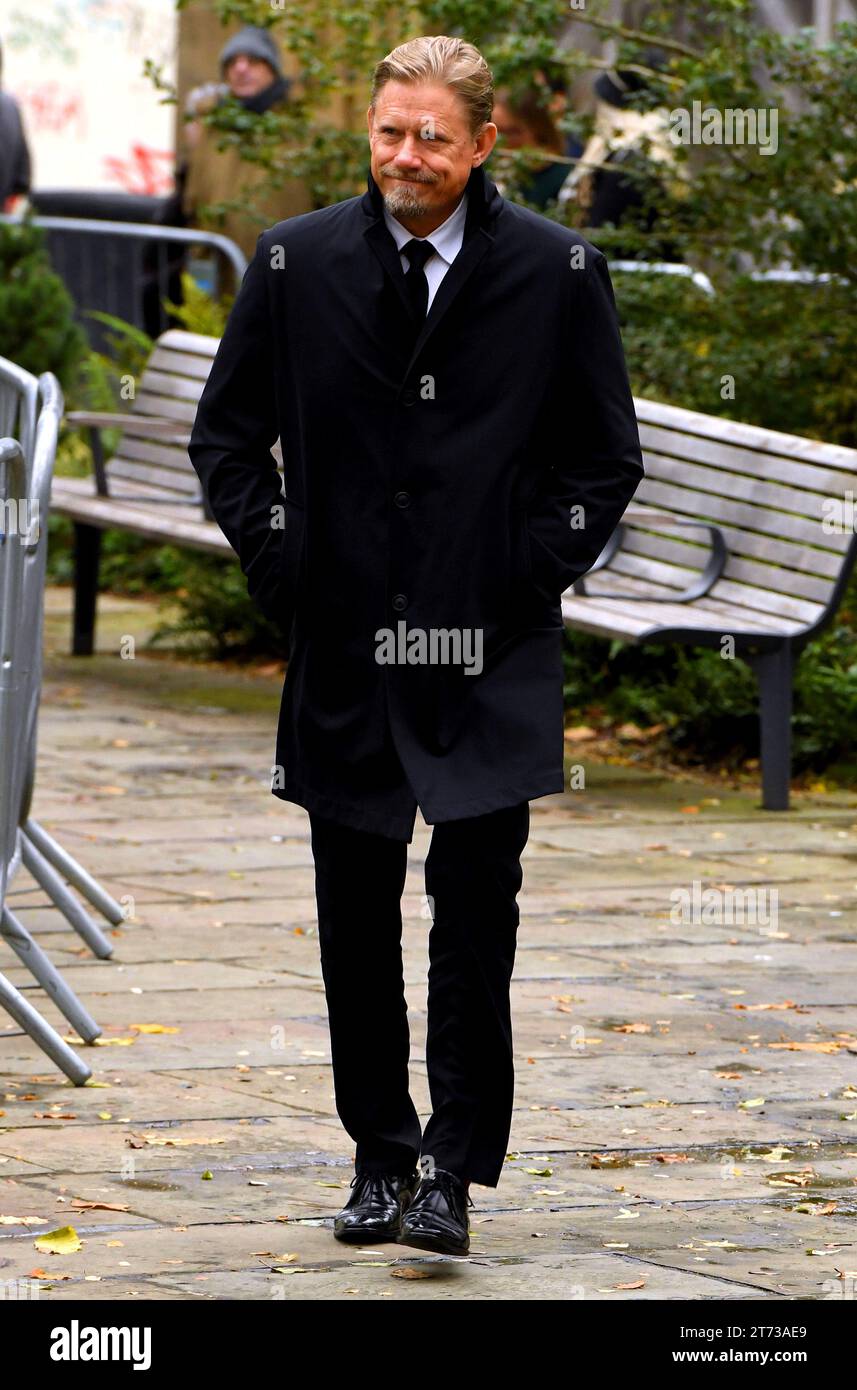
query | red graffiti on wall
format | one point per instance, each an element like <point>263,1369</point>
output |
<point>146,170</point>
<point>52,107</point>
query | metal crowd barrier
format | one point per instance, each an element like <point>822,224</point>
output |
<point>30,415</point>
<point>124,268</point>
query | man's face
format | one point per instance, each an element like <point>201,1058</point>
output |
<point>247,75</point>
<point>422,151</point>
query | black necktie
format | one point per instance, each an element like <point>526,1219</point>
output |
<point>417,252</point>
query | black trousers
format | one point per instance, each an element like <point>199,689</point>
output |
<point>472,876</point>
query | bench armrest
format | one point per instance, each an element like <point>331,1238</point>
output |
<point>650,516</point>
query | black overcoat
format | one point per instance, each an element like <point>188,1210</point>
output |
<point>430,476</point>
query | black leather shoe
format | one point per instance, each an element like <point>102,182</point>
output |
<point>374,1209</point>
<point>437,1217</point>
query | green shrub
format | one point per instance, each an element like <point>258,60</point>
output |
<point>37,327</point>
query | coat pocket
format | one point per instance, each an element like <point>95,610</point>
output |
<point>529,605</point>
<point>273,579</point>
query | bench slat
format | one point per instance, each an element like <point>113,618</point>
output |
<point>744,541</point>
<point>742,596</point>
<point>753,436</point>
<point>824,566</point>
<point>169,408</point>
<point>157,385</point>
<point>766,504</point>
<point>807,478</point>
<point>611,616</point>
<point>159,525</point>
<point>738,569</point>
<point>722,610</point>
<point>165,480</point>
<point>195,344</point>
<point>184,364</point>
<point>168,456</point>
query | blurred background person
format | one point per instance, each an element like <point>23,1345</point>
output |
<point>525,120</point>
<point>15,167</point>
<point>251,72</point>
<point>621,175</point>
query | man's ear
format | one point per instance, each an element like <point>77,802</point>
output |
<point>485,142</point>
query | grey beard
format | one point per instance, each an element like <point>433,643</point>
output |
<point>402,202</point>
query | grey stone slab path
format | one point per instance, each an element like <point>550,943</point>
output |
<point>686,1050</point>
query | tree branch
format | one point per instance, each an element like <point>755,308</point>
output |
<point>637,35</point>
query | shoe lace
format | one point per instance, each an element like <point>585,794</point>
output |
<point>366,1176</point>
<point>449,1181</point>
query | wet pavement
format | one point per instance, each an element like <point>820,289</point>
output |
<point>684,1005</point>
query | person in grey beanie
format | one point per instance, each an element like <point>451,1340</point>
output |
<point>251,72</point>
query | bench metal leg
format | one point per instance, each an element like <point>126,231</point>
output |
<point>87,556</point>
<point>775,671</point>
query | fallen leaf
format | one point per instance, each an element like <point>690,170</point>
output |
<point>63,1241</point>
<point>79,1204</point>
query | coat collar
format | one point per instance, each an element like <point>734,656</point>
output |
<point>484,205</point>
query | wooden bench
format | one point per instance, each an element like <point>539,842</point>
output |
<point>769,575</point>
<point>149,486</point>
<point>725,539</point>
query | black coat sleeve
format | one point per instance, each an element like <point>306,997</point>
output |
<point>599,462</point>
<point>234,429</point>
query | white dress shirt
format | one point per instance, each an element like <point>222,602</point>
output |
<point>446,239</point>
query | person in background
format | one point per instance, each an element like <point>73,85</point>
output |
<point>620,175</point>
<point>251,72</point>
<point>559,103</point>
<point>15,165</point>
<point>524,120</point>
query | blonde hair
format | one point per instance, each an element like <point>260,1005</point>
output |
<point>453,62</point>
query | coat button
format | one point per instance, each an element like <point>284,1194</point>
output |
<point>409,397</point>
<point>400,602</point>
<point>402,499</point>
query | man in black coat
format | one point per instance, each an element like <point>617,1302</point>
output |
<point>445,374</point>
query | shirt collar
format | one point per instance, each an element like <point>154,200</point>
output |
<point>446,239</point>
